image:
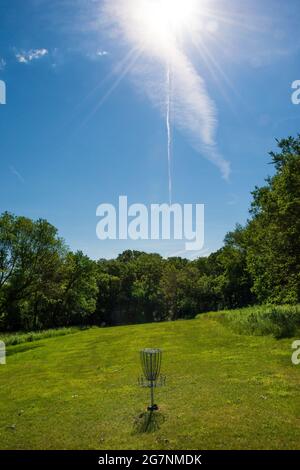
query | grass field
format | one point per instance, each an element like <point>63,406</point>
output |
<point>79,391</point>
<point>11,339</point>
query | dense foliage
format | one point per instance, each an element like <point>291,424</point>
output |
<point>280,321</point>
<point>44,285</point>
<point>273,234</point>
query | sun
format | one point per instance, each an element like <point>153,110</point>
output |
<point>167,19</point>
<point>176,14</point>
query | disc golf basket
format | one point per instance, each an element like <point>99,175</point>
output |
<point>151,378</point>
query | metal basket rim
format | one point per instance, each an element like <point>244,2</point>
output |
<point>151,350</point>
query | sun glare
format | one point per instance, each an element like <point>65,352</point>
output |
<point>176,13</point>
<point>167,19</point>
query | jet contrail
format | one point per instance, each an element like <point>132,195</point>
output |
<point>187,106</point>
<point>169,135</point>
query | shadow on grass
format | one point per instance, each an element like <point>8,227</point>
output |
<point>21,348</point>
<point>147,422</point>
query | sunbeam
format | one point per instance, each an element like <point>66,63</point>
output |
<point>123,72</point>
<point>162,29</point>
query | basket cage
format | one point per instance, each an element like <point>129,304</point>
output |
<point>151,366</point>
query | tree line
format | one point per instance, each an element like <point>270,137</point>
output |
<point>43,284</point>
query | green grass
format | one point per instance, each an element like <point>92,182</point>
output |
<point>11,339</point>
<point>223,391</point>
<point>280,321</point>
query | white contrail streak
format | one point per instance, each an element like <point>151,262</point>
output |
<point>188,106</point>
<point>169,135</point>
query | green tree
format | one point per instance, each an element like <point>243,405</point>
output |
<point>169,288</point>
<point>31,254</point>
<point>273,233</point>
<point>146,290</point>
<point>108,299</point>
<point>78,291</point>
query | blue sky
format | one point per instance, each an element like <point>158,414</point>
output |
<point>64,149</point>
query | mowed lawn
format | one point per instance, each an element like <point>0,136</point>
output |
<point>223,391</point>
